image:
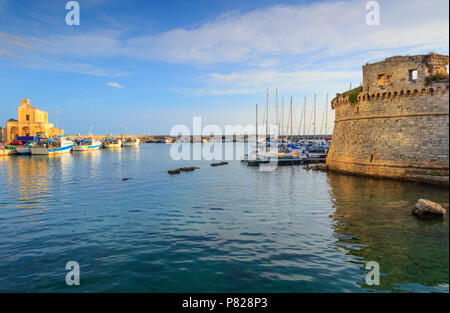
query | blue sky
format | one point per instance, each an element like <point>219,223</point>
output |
<point>148,65</point>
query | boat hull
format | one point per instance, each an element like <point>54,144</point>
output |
<point>50,151</point>
<point>86,147</point>
<point>113,146</point>
<point>130,144</point>
<point>23,150</point>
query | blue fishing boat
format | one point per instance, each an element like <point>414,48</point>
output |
<point>47,146</point>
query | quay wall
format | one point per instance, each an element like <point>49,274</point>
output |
<point>401,132</point>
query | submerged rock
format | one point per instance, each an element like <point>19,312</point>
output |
<point>219,164</point>
<point>320,167</point>
<point>182,169</point>
<point>428,209</point>
<point>188,169</point>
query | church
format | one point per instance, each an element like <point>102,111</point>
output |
<point>29,121</point>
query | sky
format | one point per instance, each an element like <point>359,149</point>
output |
<point>145,66</point>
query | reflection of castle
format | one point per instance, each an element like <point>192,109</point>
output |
<point>396,124</point>
<point>29,121</point>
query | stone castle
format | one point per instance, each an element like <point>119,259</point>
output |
<point>396,125</point>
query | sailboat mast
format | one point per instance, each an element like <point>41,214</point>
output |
<point>282,117</point>
<point>326,116</point>
<point>290,109</point>
<point>267,118</point>
<point>314,129</point>
<point>304,122</point>
<point>277,114</point>
<point>256,128</point>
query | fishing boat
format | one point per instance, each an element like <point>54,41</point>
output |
<point>47,146</point>
<point>8,150</point>
<point>24,149</point>
<point>168,140</point>
<point>112,143</point>
<point>86,144</point>
<point>131,141</point>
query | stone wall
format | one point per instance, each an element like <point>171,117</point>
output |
<point>400,132</point>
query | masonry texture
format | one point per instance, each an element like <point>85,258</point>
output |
<point>396,125</point>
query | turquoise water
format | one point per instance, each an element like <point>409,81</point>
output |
<point>219,229</point>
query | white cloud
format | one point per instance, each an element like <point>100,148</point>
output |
<point>115,85</point>
<point>296,47</point>
<point>264,35</point>
<point>257,81</point>
<point>329,28</point>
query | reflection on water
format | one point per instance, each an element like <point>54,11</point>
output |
<point>230,228</point>
<point>373,219</point>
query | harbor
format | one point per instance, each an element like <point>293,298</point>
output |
<point>245,230</point>
<point>224,156</point>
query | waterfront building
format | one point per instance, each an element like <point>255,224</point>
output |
<point>30,120</point>
<point>396,125</point>
<point>2,134</point>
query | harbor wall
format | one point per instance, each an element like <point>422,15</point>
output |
<point>397,129</point>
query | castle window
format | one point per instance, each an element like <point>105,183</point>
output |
<point>413,75</point>
<point>381,80</point>
<point>389,80</point>
<point>27,117</point>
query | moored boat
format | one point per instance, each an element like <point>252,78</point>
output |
<point>112,143</point>
<point>46,146</point>
<point>24,149</point>
<point>131,142</point>
<point>86,144</point>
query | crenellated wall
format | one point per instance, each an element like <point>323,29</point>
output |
<point>399,133</point>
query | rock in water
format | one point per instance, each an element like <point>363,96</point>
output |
<point>188,169</point>
<point>428,209</point>
<point>218,164</point>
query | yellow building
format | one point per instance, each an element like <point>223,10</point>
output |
<point>30,121</point>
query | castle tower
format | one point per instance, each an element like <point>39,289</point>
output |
<point>396,125</point>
